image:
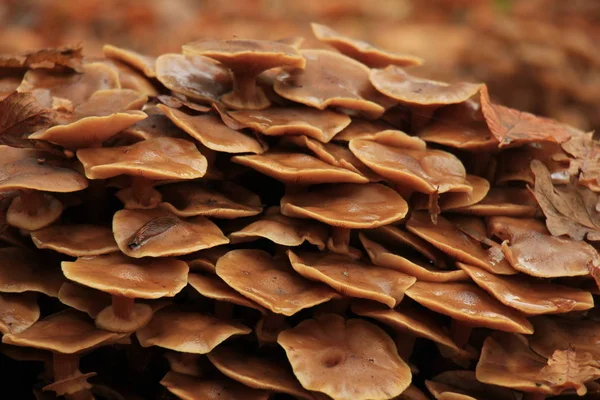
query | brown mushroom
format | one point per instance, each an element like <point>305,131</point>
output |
<point>552,333</point>
<point>132,79</point>
<point>126,279</point>
<point>189,388</point>
<point>339,243</point>
<point>360,128</point>
<point>143,63</point>
<point>82,298</point>
<point>206,260</point>
<point>246,59</point>
<point>186,363</point>
<point>463,385</point>
<point>76,240</point>
<point>356,206</point>
<point>18,312</point>
<point>503,201</point>
<point>22,270</point>
<point>156,125</point>
<point>457,200</point>
<point>345,359</point>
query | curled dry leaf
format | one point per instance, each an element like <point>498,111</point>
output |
<point>21,114</point>
<point>68,56</point>
<point>586,161</point>
<point>568,369</point>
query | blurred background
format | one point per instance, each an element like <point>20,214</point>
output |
<point>542,56</point>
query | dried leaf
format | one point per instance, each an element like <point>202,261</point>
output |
<point>20,115</point>
<point>567,369</point>
<point>513,127</point>
<point>586,161</point>
<point>69,57</point>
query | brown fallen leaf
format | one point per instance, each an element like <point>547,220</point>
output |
<point>568,369</point>
<point>586,161</point>
<point>20,115</point>
<point>513,127</point>
<point>69,57</point>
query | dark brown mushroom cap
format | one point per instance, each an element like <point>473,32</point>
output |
<point>37,170</point>
<point>394,82</point>
<point>66,332</point>
<point>258,372</point>
<point>122,276</point>
<point>190,388</point>
<point>364,52</point>
<point>332,80</point>
<point>76,240</point>
<point>212,133</point>
<point>457,385</point>
<point>352,277</point>
<point>321,125</point>
<point>83,298</point>
<point>224,200</point>
<point>468,303</point>
<point>23,270</point>
<point>143,63</point>
<point>447,237</point>
<point>503,201</point>
<point>214,288</point>
<point>359,128</point>
<point>552,333</point>
<point>161,158</point>
<point>426,171</point>
<point>18,312</point>
<point>528,295</point>
<point>199,78</point>
<point>159,233</point>
<point>298,168</point>
<point>187,331</point>
<point>271,282</point>
<point>345,359</point>
<point>355,206</point>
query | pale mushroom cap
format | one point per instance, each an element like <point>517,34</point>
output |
<point>190,388</point>
<point>76,240</point>
<point>187,331</point>
<point>18,312</point>
<point>161,158</point>
<point>345,359</point>
<point>122,276</point>
<point>356,206</point>
<point>143,63</point>
<point>22,270</point>
<point>214,288</point>
<point>50,212</point>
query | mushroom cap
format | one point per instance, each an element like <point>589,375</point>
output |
<point>552,333</point>
<point>190,388</point>
<point>464,385</point>
<point>364,52</point>
<point>155,126</point>
<point>76,240</point>
<point>270,282</point>
<point>66,332</point>
<point>209,130</point>
<point>37,170</point>
<point>426,171</point>
<point>143,63</point>
<point>186,363</point>
<point>352,277</point>
<point>224,200</point>
<point>17,216</point>
<point>321,125</point>
<point>394,82</point>
<point>132,79</point>
<point>159,233</point>
<point>22,270</point>
<point>160,158</point>
<point>199,78</point>
<point>453,200</point>
<point>332,80</point>
<point>360,128</point>
<point>345,359</point>
<point>122,276</point>
<point>187,331</point>
<point>206,260</point>
<point>530,296</point>
<point>355,206</point>
<point>18,312</point>
<point>258,372</point>
<point>447,237</point>
<point>83,298</point>
<point>503,201</point>
<point>298,168</point>
<point>468,303</point>
<point>213,287</point>
<point>138,316</point>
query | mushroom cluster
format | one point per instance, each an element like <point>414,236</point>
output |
<point>257,220</point>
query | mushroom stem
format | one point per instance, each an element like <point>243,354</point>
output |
<point>274,322</point>
<point>405,344</point>
<point>533,396</point>
<point>223,309</point>
<point>64,365</point>
<point>142,190</point>
<point>122,306</point>
<point>32,201</point>
<point>244,85</point>
<point>460,332</point>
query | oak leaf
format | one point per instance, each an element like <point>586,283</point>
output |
<point>568,369</point>
<point>586,159</point>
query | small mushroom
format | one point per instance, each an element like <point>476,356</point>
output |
<point>18,312</point>
<point>190,388</point>
<point>503,201</point>
<point>355,206</point>
<point>127,279</point>
<point>82,298</point>
<point>345,359</point>
<point>360,128</point>
<point>143,63</point>
<point>554,333</point>
<point>246,59</point>
<point>22,270</point>
<point>76,240</point>
<point>451,201</point>
<point>463,385</point>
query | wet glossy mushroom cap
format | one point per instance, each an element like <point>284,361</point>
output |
<point>345,359</point>
<point>553,333</point>
<point>271,282</point>
<point>161,158</point>
<point>332,80</point>
<point>356,206</point>
<point>351,277</point>
<point>187,331</point>
<point>298,168</point>
<point>82,298</point>
<point>456,200</point>
<point>159,233</point>
<point>76,240</point>
<point>66,332</point>
<point>321,125</point>
<point>22,270</point>
<point>190,388</point>
<point>503,201</point>
<point>422,170</point>
<point>199,78</point>
<point>394,82</point>
<point>224,200</point>
<point>209,130</point>
<point>361,51</point>
<point>359,128</point>
<point>143,63</point>
<point>18,312</point>
<point>457,385</point>
<point>528,295</point>
<point>258,372</point>
<point>470,304</point>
